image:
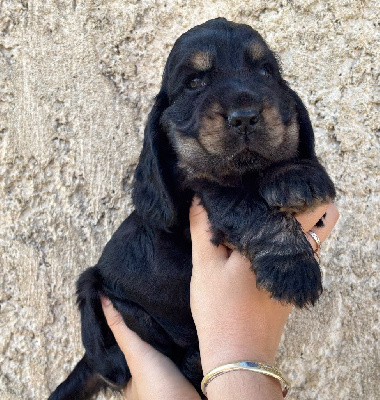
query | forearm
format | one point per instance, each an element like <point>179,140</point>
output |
<point>236,320</point>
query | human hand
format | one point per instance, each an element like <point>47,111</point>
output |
<point>154,376</point>
<point>235,320</point>
<point>309,219</point>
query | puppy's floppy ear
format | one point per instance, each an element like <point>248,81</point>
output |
<point>306,135</point>
<point>152,195</point>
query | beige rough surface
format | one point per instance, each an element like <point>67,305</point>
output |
<point>77,79</point>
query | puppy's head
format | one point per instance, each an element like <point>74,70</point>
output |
<point>223,111</point>
<point>230,112</point>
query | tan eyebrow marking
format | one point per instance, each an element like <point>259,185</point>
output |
<point>201,60</point>
<point>256,50</point>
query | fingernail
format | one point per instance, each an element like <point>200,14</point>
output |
<point>105,301</point>
<point>196,201</point>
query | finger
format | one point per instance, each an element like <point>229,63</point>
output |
<point>310,218</point>
<point>201,235</point>
<point>128,341</point>
<point>113,317</point>
<point>238,262</point>
<point>332,216</point>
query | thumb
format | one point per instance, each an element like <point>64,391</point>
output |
<point>200,230</point>
<point>128,340</point>
<point>113,317</point>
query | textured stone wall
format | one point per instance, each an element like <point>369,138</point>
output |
<point>77,80</point>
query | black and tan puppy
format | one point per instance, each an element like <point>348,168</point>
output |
<point>224,126</point>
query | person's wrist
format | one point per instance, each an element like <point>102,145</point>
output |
<point>244,385</point>
<point>219,351</point>
<point>238,340</point>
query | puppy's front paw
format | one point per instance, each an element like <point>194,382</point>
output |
<point>291,279</point>
<point>297,188</point>
<point>285,265</point>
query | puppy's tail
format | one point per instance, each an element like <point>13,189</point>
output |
<point>81,384</point>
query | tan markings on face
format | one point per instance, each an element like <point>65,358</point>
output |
<point>215,108</point>
<point>257,50</point>
<point>281,138</point>
<point>193,159</point>
<point>201,60</point>
<point>187,148</point>
<point>274,126</point>
<point>213,129</point>
<point>292,133</point>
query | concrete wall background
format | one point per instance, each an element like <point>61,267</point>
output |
<point>77,80</point>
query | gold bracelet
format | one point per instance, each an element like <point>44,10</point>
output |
<point>247,366</point>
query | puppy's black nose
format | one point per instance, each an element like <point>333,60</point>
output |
<point>243,120</point>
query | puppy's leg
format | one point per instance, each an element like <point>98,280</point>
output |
<point>81,384</point>
<point>103,353</point>
<point>103,364</point>
<point>297,186</point>
<point>137,319</point>
<point>273,241</point>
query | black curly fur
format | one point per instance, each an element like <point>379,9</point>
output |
<point>251,177</point>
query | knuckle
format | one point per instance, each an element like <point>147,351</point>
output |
<point>115,321</point>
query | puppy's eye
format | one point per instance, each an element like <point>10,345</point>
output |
<point>264,71</point>
<point>196,83</point>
